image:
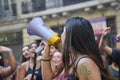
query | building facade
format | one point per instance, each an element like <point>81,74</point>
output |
<point>16,14</point>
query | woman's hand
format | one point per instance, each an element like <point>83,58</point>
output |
<point>106,32</point>
<point>28,77</point>
<point>46,52</point>
<point>4,49</point>
<point>118,36</point>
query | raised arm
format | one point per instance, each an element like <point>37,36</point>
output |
<point>103,42</point>
<point>88,70</point>
<point>10,69</point>
<point>21,71</point>
<point>47,73</point>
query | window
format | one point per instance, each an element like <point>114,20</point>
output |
<point>111,23</point>
<point>69,2</point>
<point>11,38</point>
<point>6,5</point>
<point>53,3</point>
<point>38,5</point>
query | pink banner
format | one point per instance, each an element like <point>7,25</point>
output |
<point>98,24</point>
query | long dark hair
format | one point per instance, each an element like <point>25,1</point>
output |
<point>80,39</point>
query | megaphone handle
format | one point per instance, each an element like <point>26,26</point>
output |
<point>39,49</point>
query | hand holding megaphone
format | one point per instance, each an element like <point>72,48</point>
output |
<point>37,27</point>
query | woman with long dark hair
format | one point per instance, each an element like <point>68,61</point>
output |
<point>25,54</point>
<point>25,70</point>
<point>81,57</point>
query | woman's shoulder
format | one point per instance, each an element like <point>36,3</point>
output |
<point>86,62</point>
<point>23,65</point>
<point>87,67</point>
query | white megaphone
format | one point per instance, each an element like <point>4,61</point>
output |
<point>37,27</point>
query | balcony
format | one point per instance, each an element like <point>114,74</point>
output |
<point>38,5</point>
<point>31,8</point>
<point>55,8</point>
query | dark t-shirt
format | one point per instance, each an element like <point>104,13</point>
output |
<point>114,73</point>
<point>38,73</point>
<point>116,58</point>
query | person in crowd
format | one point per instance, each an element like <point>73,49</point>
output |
<point>114,53</point>
<point>26,68</point>
<point>1,61</point>
<point>4,62</point>
<point>25,54</point>
<point>25,57</point>
<point>114,70</point>
<point>56,62</point>
<point>7,71</point>
<point>81,57</point>
<point>53,49</point>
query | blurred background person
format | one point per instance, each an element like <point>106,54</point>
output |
<point>56,63</point>
<point>25,57</point>
<point>1,61</point>
<point>8,71</point>
<point>114,53</point>
<point>25,54</point>
<point>26,68</point>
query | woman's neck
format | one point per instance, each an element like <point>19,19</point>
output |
<point>31,60</point>
<point>32,64</point>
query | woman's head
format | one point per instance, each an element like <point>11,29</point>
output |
<point>53,49</point>
<point>33,46</point>
<point>78,38</point>
<point>78,33</point>
<point>25,51</point>
<point>57,58</point>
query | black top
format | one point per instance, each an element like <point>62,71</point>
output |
<point>38,73</point>
<point>116,58</point>
<point>72,75</point>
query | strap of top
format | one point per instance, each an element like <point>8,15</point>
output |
<point>73,77</point>
<point>77,61</point>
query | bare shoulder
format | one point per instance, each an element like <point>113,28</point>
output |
<point>86,61</point>
<point>21,69</point>
<point>88,70</point>
<point>23,65</point>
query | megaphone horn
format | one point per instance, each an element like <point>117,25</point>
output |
<point>37,27</point>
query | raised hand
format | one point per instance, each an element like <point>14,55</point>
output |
<point>4,49</point>
<point>106,32</point>
<point>46,51</point>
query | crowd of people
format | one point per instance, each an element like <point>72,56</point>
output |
<point>79,57</point>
